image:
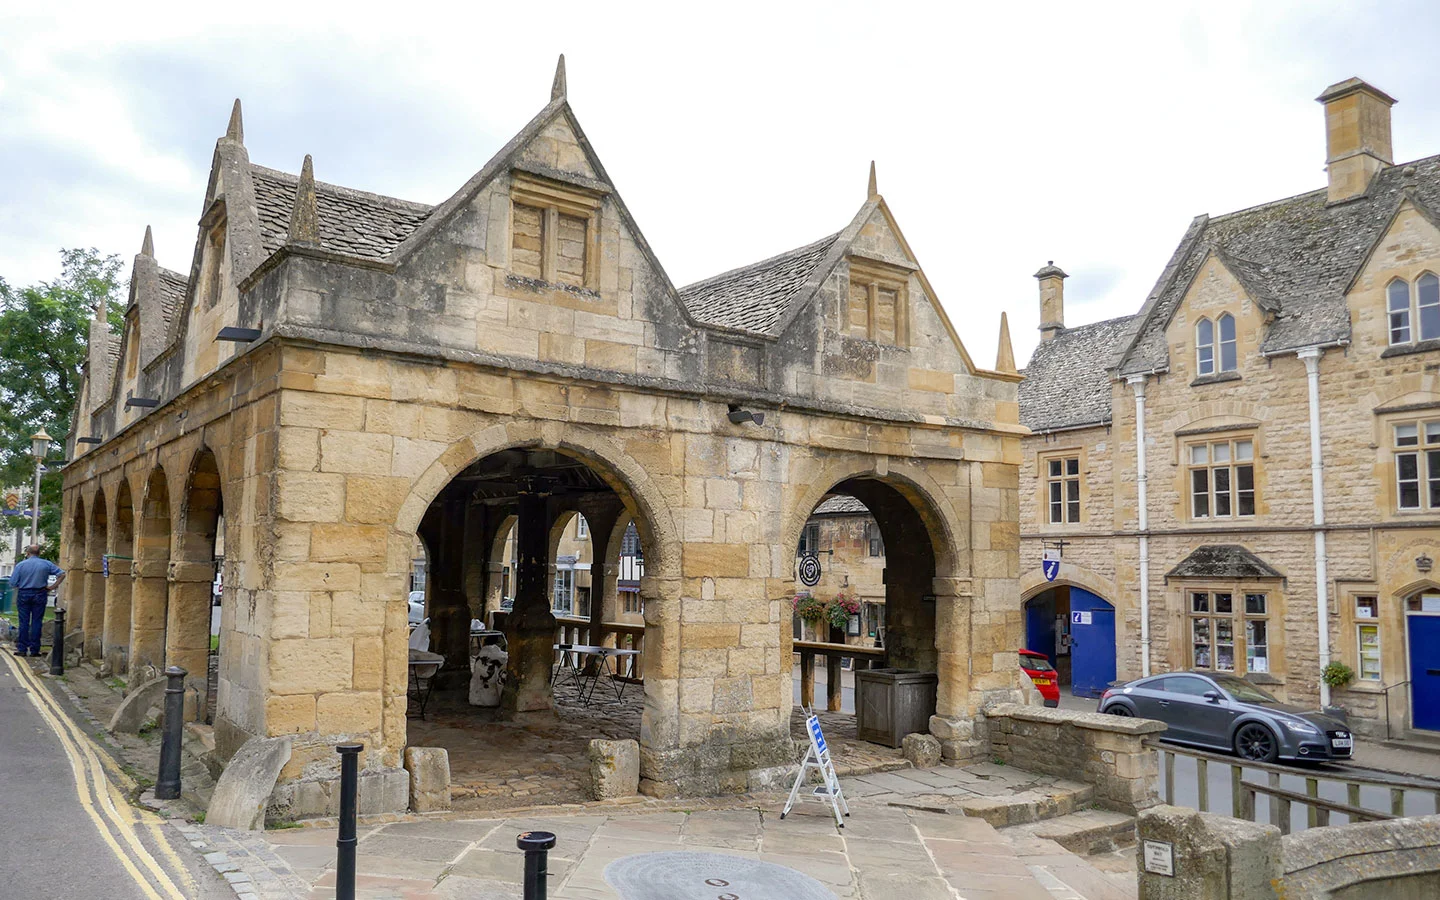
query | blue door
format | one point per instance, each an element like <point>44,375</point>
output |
<point>1425,671</point>
<point>1040,625</point>
<point>1092,644</point>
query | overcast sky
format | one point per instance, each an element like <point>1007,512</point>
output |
<point>1005,135</point>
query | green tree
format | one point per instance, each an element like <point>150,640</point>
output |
<point>44,332</point>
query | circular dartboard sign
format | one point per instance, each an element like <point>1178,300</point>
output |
<point>809,570</point>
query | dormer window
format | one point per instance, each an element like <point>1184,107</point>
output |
<point>1205,345</point>
<point>1407,305</point>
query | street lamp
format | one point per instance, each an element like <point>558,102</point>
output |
<point>39,448</point>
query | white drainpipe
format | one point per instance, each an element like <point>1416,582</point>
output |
<point>1137,383</point>
<point>1311,357</point>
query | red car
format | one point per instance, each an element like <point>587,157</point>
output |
<point>1037,666</point>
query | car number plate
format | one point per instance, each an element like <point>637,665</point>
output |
<point>1342,743</point>
<point>1041,682</point>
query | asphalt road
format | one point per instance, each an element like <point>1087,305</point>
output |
<point>75,841</point>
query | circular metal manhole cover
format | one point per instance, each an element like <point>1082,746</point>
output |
<point>709,876</point>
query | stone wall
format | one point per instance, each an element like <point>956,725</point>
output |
<point>1215,857</point>
<point>1106,751</point>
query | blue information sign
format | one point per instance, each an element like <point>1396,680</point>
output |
<point>1051,568</point>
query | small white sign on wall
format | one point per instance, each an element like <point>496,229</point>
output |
<point>1160,858</point>
<point>1080,618</point>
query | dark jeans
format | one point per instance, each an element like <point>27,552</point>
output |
<point>31,604</point>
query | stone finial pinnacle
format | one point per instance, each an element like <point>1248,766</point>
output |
<point>235,131</point>
<point>305,216</point>
<point>1005,354</point>
<point>147,246</point>
<point>873,191</point>
<point>557,88</point>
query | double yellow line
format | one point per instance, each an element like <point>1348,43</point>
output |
<point>103,800</point>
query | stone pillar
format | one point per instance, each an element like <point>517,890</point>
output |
<point>530,627</point>
<point>187,630</point>
<point>601,516</point>
<point>443,530</point>
<point>116,643</point>
<point>94,623</point>
<point>1210,857</point>
<point>149,597</point>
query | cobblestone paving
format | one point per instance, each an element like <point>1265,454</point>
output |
<point>885,852</point>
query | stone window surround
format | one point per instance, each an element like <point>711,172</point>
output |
<point>877,274</point>
<point>1274,612</point>
<point>1042,493</point>
<point>1426,452</point>
<point>1186,467</point>
<point>553,198</point>
<point>1216,346</point>
<point>1062,490</point>
<point>1411,329</point>
<point>1348,633</point>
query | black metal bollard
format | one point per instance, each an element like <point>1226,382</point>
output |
<point>536,845</point>
<point>345,844</point>
<point>167,785</point>
<point>57,645</point>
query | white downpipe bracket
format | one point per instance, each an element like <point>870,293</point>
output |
<point>1137,384</point>
<point>1311,357</point>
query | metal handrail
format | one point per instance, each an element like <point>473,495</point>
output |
<point>1386,688</point>
<point>1413,784</point>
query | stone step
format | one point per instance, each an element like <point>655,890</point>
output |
<point>1021,807</point>
<point>1087,832</point>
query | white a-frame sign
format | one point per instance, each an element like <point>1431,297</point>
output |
<point>818,758</point>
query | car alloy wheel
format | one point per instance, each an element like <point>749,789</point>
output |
<point>1117,710</point>
<point>1256,742</point>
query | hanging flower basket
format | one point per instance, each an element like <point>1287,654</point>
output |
<point>840,608</point>
<point>808,608</point>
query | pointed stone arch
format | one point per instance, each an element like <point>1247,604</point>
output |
<point>149,584</point>
<point>95,549</point>
<point>191,575</point>
<point>116,645</point>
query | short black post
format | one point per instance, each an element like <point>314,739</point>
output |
<point>345,845</point>
<point>57,643</point>
<point>167,785</point>
<point>536,845</point>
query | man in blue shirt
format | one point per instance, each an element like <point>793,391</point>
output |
<point>31,579</point>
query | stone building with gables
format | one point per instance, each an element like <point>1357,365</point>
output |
<point>337,372</point>
<point>1244,476</point>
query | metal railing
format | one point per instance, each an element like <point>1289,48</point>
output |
<point>1318,809</point>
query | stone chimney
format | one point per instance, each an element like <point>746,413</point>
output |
<point>1052,300</point>
<point>1357,136</point>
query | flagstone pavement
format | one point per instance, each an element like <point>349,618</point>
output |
<point>894,845</point>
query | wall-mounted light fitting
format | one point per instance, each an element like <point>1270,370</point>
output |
<point>89,440</point>
<point>238,335</point>
<point>740,416</point>
<point>144,402</point>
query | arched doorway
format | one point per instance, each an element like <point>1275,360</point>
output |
<point>1075,628</point>
<point>1422,646</point>
<point>95,548</point>
<point>866,561</point>
<point>118,583</point>
<point>74,591</point>
<point>149,585</point>
<point>190,616</point>
<point>515,544</point>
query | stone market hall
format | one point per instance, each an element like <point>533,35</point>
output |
<point>338,373</point>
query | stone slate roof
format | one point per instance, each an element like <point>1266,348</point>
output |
<point>756,297</point>
<point>1067,383</point>
<point>841,505</point>
<point>1223,561</point>
<point>354,223</point>
<point>1297,256</point>
<point>172,293</point>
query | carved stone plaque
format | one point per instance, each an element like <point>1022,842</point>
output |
<point>708,876</point>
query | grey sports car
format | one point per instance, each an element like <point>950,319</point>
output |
<point>1229,713</point>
